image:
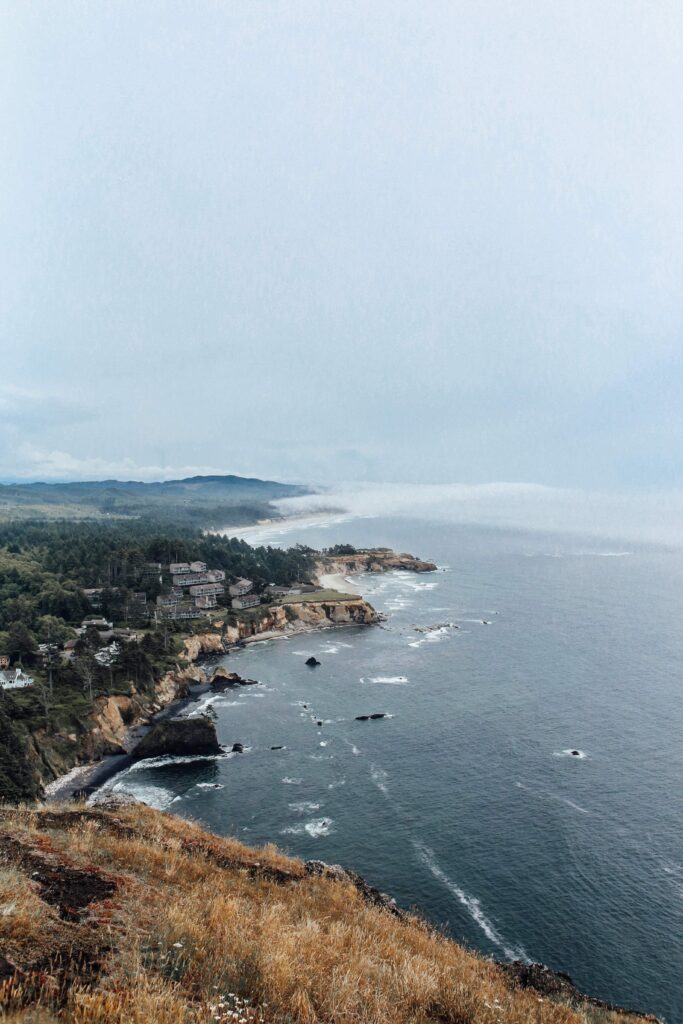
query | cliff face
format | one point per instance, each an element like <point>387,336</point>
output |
<point>372,560</point>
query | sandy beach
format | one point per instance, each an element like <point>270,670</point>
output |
<point>336,581</point>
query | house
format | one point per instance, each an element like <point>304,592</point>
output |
<point>192,578</point>
<point>240,587</point>
<point>14,679</point>
<point>97,623</point>
<point>169,600</point>
<point>246,601</point>
<point>197,566</point>
<point>4,661</point>
<point>207,588</point>
<point>205,601</point>
<point>177,568</point>
<point>94,595</point>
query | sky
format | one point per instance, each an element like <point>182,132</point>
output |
<point>428,242</point>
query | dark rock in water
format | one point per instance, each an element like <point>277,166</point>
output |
<point>379,714</point>
<point>362,718</point>
<point>179,737</point>
<point>280,747</point>
<point>312,661</point>
<point>238,748</point>
<point>319,722</point>
<point>575,753</point>
<point>223,680</point>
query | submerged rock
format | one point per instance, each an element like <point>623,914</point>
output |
<point>179,737</point>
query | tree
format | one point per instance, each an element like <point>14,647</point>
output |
<point>21,644</point>
<point>86,669</point>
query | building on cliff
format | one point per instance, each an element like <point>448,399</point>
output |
<point>246,601</point>
<point>240,587</point>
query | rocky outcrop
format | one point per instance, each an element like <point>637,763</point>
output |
<point>181,737</point>
<point>559,987</point>
<point>317,614</point>
<point>372,560</point>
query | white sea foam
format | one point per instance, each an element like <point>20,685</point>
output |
<point>380,779</point>
<point>305,806</point>
<point>170,759</point>
<point>387,680</point>
<point>209,785</point>
<point>292,782</point>
<point>355,750</point>
<point>580,755</point>
<point>316,828</point>
<point>337,784</point>
<point>471,903</point>
<point>432,636</point>
<point>155,796</point>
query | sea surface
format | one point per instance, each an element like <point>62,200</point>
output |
<point>466,802</point>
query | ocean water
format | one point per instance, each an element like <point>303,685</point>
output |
<point>466,802</point>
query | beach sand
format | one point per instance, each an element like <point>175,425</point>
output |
<point>336,581</point>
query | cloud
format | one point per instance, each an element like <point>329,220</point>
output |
<point>655,517</point>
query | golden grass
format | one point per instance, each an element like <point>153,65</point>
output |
<point>202,929</point>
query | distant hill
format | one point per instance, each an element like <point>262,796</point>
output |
<point>209,501</point>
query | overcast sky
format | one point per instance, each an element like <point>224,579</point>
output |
<point>424,241</point>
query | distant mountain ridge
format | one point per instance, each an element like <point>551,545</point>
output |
<point>201,500</point>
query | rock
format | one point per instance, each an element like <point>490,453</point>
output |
<point>362,718</point>
<point>112,801</point>
<point>179,737</point>
<point>375,714</point>
<point>221,679</point>
<point>238,748</point>
<point>319,722</point>
<point>575,753</point>
<point>379,714</point>
<point>312,662</point>
<point>279,747</point>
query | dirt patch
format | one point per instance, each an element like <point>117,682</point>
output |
<point>71,890</point>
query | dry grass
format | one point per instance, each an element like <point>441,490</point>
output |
<point>202,929</point>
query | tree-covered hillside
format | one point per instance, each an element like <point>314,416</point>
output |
<point>208,501</point>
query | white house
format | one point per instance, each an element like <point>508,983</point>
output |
<point>14,679</point>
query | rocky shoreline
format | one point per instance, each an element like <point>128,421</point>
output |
<point>120,720</point>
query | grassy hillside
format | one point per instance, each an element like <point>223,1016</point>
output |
<point>208,501</point>
<point>130,916</point>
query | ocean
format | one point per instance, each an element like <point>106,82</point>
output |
<point>466,801</point>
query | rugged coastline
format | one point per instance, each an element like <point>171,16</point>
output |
<point>117,722</point>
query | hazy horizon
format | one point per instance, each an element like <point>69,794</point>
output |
<point>340,241</point>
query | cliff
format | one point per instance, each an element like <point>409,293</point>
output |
<point>124,915</point>
<point>371,560</point>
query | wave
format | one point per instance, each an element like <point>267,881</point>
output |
<point>471,904</point>
<point>386,680</point>
<point>318,827</point>
<point>576,755</point>
<point>305,806</point>
<point>291,782</point>
<point>170,759</point>
<point>210,785</point>
<point>154,796</point>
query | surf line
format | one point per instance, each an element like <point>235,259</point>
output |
<point>470,903</point>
